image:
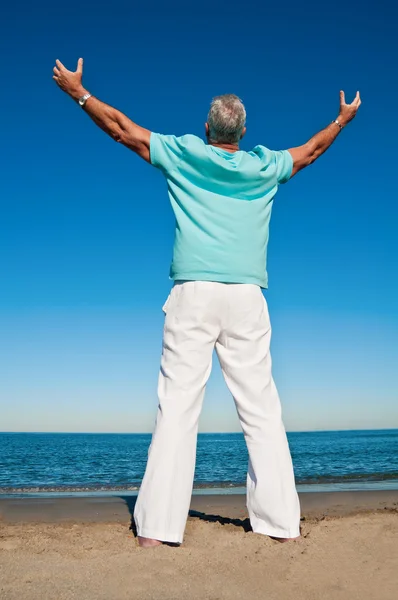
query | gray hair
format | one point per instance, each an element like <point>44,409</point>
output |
<point>226,119</point>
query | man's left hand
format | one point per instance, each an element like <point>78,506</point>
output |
<point>70,81</point>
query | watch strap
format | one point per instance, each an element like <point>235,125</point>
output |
<point>338,123</point>
<point>83,99</point>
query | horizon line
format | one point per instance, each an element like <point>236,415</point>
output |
<point>199,433</point>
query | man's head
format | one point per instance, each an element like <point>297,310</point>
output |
<point>226,120</point>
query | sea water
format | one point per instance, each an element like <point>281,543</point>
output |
<point>74,463</point>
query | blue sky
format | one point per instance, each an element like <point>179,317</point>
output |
<point>86,230</point>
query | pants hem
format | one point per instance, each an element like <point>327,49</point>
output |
<point>271,531</point>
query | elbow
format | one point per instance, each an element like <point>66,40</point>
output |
<point>117,136</point>
<point>311,158</point>
<point>122,137</point>
<point>312,154</point>
<point>117,133</point>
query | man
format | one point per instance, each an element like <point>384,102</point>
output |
<point>222,199</point>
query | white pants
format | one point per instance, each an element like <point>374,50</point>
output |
<point>234,319</point>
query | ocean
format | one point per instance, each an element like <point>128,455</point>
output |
<point>76,463</point>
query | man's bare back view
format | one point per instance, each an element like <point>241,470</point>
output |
<point>222,199</point>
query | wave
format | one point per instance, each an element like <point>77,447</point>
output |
<point>37,489</point>
<point>348,478</point>
<point>315,480</point>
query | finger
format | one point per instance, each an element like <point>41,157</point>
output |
<point>356,100</point>
<point>56,78</point>
<point>342,97</point>
<point>56,71</point>
<point>59,65</point>
<point>79,66</point>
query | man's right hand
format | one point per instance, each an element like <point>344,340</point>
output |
<point>348,111</point>
<point>70,81</point>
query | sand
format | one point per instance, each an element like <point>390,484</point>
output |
<point>83,548</point>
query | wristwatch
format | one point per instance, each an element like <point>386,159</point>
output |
<point>335,121</point>
<point>83,99</point>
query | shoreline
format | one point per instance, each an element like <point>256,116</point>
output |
<point>205,489</point>
<point>119,508</point>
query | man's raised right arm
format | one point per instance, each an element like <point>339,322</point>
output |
<point>116,124</point>
<point>305,155</point>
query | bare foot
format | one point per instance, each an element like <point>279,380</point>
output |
<point>283,540</point>
<point>148,542</point>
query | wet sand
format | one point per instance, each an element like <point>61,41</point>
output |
<point>84,548</point>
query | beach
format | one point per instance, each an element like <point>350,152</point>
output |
<point>85,548</point>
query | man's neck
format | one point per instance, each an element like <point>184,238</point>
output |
<point>227,147</point>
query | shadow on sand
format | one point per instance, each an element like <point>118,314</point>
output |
<point>241,523</point>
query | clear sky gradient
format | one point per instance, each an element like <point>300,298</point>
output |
<point>86,229</point>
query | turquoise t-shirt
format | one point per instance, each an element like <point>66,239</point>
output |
<point>222,203</point>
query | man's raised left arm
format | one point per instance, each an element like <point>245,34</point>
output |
<point>109,119</point>
<point>305,155</point>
